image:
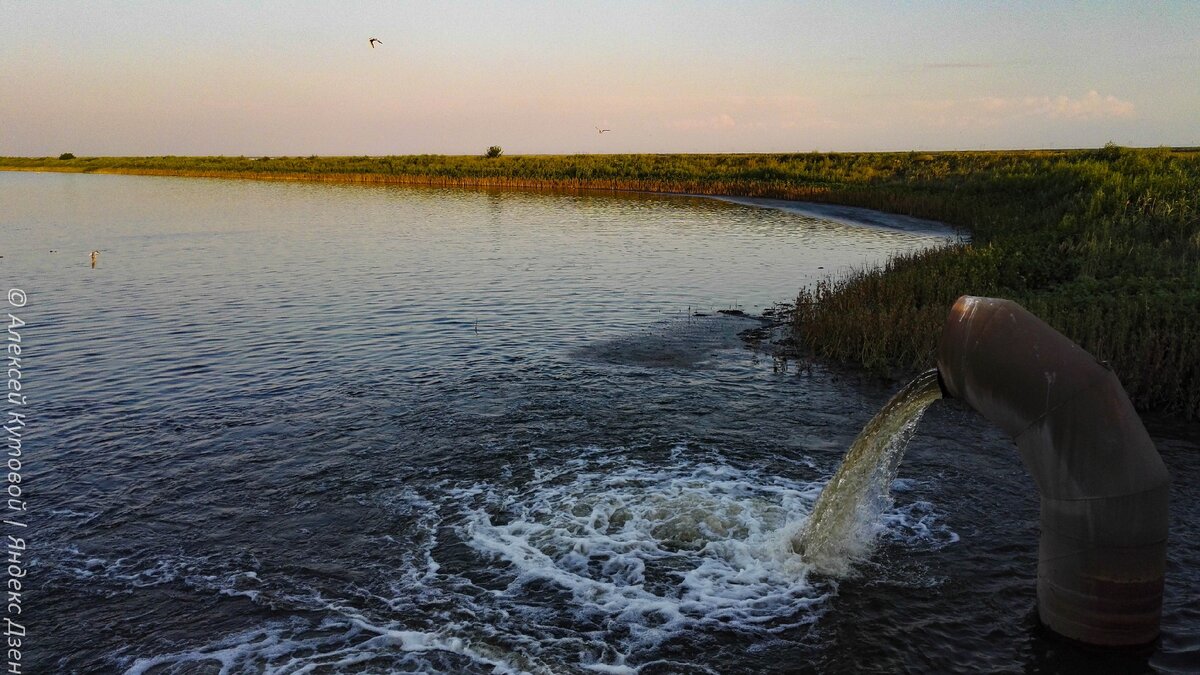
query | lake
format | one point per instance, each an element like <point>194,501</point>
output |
<point>289,427</point>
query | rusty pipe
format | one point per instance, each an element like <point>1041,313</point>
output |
<point>1102,483</point>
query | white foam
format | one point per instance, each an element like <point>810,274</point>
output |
<point>662,551</point>
<point>291,648</point>
<point>591,564</point>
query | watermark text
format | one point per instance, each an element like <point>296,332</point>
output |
<point>15,431</point>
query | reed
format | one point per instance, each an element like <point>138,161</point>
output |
<point>1104,246</point>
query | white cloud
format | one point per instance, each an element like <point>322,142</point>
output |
<point>992,110</point>
<point>721,121</point>
<point>747,113</point>
<point>1091,106</point>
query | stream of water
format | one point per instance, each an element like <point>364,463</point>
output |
<point>846,518</point>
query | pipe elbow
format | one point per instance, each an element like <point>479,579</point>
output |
<point>1102,483</point>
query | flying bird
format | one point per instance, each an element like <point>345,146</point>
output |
<point>602,131</point>
<point>372,42</point>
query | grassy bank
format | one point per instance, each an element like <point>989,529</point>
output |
<point>1104,244</point>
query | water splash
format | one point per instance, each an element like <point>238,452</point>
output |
<point>596,560</point>
<point>846,517</point>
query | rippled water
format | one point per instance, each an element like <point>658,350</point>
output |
<point>320,428</point>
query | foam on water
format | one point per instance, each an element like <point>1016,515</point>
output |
<point>595,564</point>
<point>292,648</point>
<point>660,552</point>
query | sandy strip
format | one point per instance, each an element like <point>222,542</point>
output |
<point>851,215</point>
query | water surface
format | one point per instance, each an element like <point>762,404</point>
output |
<point>334,428</point>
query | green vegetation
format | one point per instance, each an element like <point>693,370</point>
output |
<point>494,151</point>
<point>1103,244</point>
<point>66,155</point>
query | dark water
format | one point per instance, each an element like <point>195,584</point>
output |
<point>318,428</point>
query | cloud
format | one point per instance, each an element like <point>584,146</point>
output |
<point>721,121</point>
<point>957,65</point>
<point>992,110</point>
<point>744,113</point>
<point>1091,106</point>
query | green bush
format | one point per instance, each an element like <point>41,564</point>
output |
<point>66,155</point>
<point>494,151</point>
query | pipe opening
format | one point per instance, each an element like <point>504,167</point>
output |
<point>941,382</point>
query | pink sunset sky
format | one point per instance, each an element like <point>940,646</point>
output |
<point>299,78</point>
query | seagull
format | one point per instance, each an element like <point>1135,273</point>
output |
<point>602,131</point>
<point>372,42</point>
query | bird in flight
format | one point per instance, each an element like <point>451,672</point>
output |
<point>372,42</point>
<point>602,131</point>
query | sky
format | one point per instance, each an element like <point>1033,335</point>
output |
<point>299,78</point>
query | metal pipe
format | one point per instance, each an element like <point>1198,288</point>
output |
<point>1102,483</point>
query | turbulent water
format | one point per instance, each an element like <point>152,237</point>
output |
<point>846,517</point>
<point>300,428</point>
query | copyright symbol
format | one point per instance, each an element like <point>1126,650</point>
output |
<point>16,297</point>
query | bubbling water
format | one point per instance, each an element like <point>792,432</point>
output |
<point>597,559</point>
<point>847,516</point>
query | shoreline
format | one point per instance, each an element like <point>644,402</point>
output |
<point>857,216</point>
<point>845,214</point>
<point>1102,244</point>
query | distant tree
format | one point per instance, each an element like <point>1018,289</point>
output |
<point>494,151</point>
<point>66,155</point>
<point>1111,151</point>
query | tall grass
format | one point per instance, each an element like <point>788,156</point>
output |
<point>1103,244</point>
